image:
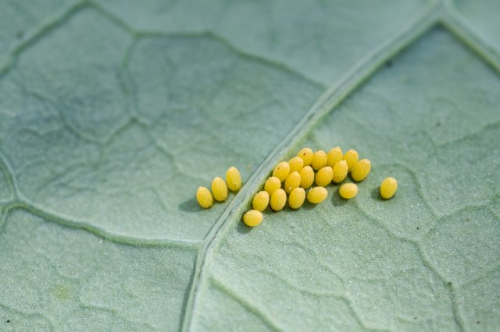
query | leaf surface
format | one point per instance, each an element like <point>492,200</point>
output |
<point>419,261</point>
<point>112,113</point>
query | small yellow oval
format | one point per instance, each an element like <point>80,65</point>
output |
<point>260,201</point>
<point>306,177</point>
<point>348,190</point>
<point>272,184</point>
<point>297,198</point>
<point>388,188</point>
<point>307,156</point>
<point>361,170</point>
<point>317,195</point>
<point>296,164</point>
<point>351,157</point>
<point>233,179</point>
<point>319,160</point>
<point>204,197</point>
<point>281,171</point>
<point>292,182</point>
<point>219,189</point>
<point>278,200</point>
<point>334,156</point>
<point>324,176</point>
<point>340,171</point>
<point>252,218</point>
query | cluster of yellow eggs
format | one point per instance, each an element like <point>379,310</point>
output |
<point>290,180</point>
<point>220,188</point>
<point>294,177</point>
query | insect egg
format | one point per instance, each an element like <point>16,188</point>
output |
<point>233,179</point>
<point>319,159</point>
<point>271,185</point>
<point>297,198</point>
<point>204,197</point>
<point>281,171</point>
<point>306,177</point>
<point>324,176</point>
<point>339,171</point>
<point>351,157</point>
<point>307,156</point>
<point>278,200</point>
<point>292,182</point>
<point>334,156</point>
<point>219,189</point>
<point>252,218</point>
<point>348,190</point>
<point>317,195</point>
<point>296,164</point>
<point>260,201</point>
<point>388,188</point>
<point>361,170</point>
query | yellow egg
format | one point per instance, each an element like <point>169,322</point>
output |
<point>260,201</point>
<point>278,200</point>
<point>233,179</point>
<point>351,157</point>
<point>297,198</point>
<point>319,160</point>
<point>281,171</point>
<point>388,188</point>
<point>306,177</point>
<point>348,190</point>
<point>307,156</point>
<point>324,176</point>
<point>340,171</point>
<point>219,189</point>
<point>296,164</point>
<point>271,185</point>
<point>317,195</point>
<point>334,156</point>
<point>252,218</point>
<point>204,197</point>
<point>292,182</point>
<point>361,170</point>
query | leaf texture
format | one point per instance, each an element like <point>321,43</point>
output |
<point>112,113</point>
<point>420,261</point>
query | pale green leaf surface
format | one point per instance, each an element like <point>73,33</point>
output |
<point>113,112</point>
<point>5,186</point>
<point>425,260</point>
<point>58,278</point>
<point>125,150</point>
<point>319,39</point>
<point>483,17</point>
<point>18,20</point>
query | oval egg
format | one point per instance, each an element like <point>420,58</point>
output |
<point>319,160</point>
<point>204,197</point>
<point>278,200</point>
<point>348,190</point>
<point>219,189</point>
<point>307,156</point>
<point>297,198</point>
<point>260,201</point>
<point>388,188</point>
<point>317,195</point>
<point>252,218</point>
<point>233,179</point>
<point>324,176</point>
<point>281,171</point>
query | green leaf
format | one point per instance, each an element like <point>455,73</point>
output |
<point>112,113</point>
<point>420,261</point>
<point>481,17</point>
